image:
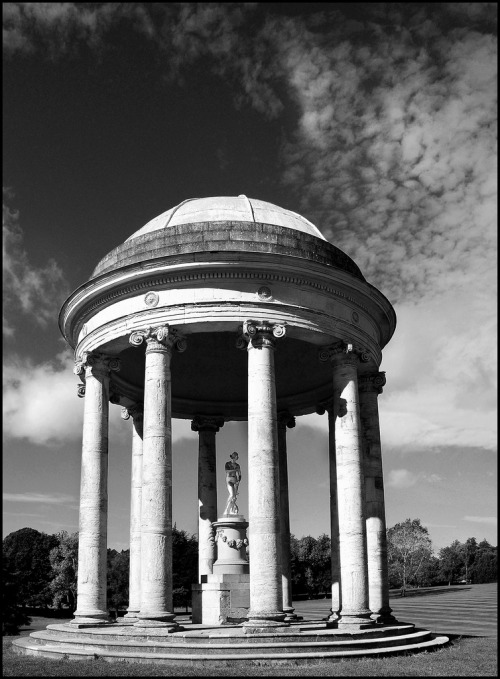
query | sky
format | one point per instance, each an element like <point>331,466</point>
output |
<point>375,121</point>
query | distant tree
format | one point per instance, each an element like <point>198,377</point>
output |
<point>469,549</point>
<point>408,548</point>
<point>185,566</point>
<point>485,567</point>
<point>64,562</point>
<point>322,564</point>
<point>310,561</point>
<point>26,553</point>
<point>13,616</point>
<point>118,579</point>
<point>451,561</point>
<point>429,573</point>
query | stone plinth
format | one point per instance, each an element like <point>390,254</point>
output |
<point>224,596</point>
<point>219,599</point>
<point>231,534</point>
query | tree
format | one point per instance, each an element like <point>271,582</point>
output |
<point>451,561</point>
<point>469,549</point>
<point>408,548</point>
<point>64,562</point>
<point>185,566</point>
<point>26,553</point>
<point>485,567</point>
<point>13,617</point>
<point>118,579</point>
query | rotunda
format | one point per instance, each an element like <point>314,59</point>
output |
<point>221,309</point>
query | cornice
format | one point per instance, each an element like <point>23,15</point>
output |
<point>77,310</point>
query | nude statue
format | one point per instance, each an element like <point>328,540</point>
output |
<point>233,478</point>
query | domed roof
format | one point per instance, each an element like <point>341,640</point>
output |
<point>228,209</point>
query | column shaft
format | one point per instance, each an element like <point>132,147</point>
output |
<point>334,521</point>
<point>92,540</point>
<point>350,492</point>
<point>376,540</point>
<point>285,420</point>
<point>134,605</point>
<point>207,491</point>
<point>266,594</point>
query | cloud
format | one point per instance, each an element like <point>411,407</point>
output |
<point>403,478</point>
<point>29,414</point>
<point>34,291</point>
<point>442,375</point>
<point>394,151</point>
<point>490,520</point>
<point>39,498</point>
<point>59,28</point>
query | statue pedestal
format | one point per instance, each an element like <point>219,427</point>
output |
<point>224,596</point>
<point>231,535</point>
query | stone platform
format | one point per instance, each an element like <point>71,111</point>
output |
<point>201,644</point>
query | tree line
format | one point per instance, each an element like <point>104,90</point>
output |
<point>40,570</point>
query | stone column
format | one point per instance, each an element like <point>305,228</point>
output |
<point>134,599</point>
<point>285,419</point>
<point>334,514</point>
<point>266,593</point>
<point>350,484</point>
<point>94,369</point>
<point>156,506</point>
<point>370,386</point>
<point>207,427</point>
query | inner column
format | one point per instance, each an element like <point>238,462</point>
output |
<point>134,599</point>
<point>156,506</point>
<point>334,514</point>
<point>350,485</point>
<point>285,419</point>
<point>370,386</point>
<point>207,427</point>
<point>266,594</point>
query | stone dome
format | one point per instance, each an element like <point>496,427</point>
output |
<point>204,268</point>
<point>228,209</point>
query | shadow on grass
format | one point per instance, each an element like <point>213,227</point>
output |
<point>428,592</point>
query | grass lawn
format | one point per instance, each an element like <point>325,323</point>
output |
<point>467,657</point>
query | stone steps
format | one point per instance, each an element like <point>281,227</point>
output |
<point>27,646</point>
<point>228,647</point>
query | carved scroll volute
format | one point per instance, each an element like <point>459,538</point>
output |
<point>344,352</point>
<point>96,364</point>
<point>159,338</point>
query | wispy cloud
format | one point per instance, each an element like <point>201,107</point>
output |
<point>404,478</point>
<point>490,520</point>
<point>34,291</point>
<point>39,498</point>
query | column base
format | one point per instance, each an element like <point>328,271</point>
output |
<point>163,619</point>
<point>91,617</point>
<point>290,616</point>
<point>332,619</point>
<point>272,621</point>
<point>384,617</point>
<point>131,616</point>
<point>355,620</point>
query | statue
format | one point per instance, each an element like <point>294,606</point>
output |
<point>233,478</point>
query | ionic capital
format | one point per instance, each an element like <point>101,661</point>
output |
<point>136,412</point>
<point>207,423</point>
<point>285,419</point>
<point>95,364</point>
<point>344,352</point>
<point>160,339</point>
<point>325,407</point>
<point>258,334</point>
<point>372,382</point>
